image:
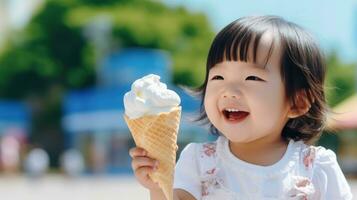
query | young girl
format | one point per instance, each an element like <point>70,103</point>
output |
<point>263,94</point>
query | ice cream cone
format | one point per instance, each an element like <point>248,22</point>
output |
<point>157,134</point>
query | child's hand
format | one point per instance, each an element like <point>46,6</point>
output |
<point>143,165</point>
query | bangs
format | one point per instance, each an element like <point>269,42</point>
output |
<point>239,42</point>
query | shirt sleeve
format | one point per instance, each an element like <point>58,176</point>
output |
<point>187,173</point>
<point>328,177</point>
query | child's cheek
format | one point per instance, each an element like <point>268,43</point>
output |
<point>210,105</point>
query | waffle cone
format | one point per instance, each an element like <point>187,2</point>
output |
<point>157,134</point>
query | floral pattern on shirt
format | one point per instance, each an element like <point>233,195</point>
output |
<point>209,149</point>
<point>309,157</point>
<point>210,182</point>
<point>302,189</point>
<point>212,187</point>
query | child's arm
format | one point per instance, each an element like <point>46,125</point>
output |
<point>182,194</point>
<point>142,165</point>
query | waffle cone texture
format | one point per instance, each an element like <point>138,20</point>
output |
<point>157,134</point>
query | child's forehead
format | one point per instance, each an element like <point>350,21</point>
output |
<point>248,65</point>
<point>238,66</point>
<point>268,48</point>
<point>261,50</point>
<point>268,59</point>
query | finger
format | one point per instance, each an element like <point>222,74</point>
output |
<point>143,162</point>
<point>143,172</point>
<point>137,151</point>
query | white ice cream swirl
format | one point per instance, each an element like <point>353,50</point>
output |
<point>149,96</point>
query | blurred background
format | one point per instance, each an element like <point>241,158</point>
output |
<point>66,64</point>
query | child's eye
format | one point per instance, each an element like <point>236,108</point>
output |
<point>217,77</point>
<point>254,78</point>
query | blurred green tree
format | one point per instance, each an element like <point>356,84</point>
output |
<point>340,80</point>
<point>139,23</point>
<point>340,84</point>
<point>52,54</point>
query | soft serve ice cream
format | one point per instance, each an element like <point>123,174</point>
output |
<point>153,114</point>
<point>149,96</point>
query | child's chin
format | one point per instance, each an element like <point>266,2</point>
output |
<point>238,139</point>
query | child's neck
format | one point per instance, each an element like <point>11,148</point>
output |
<point>260,152</point>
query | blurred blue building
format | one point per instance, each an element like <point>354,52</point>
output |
<point>14,130</point>
<point>14,115</point>
<point>93,118</point>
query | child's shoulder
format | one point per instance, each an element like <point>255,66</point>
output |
<point>320,154</point>
<point>207,148</point>
<point>327,174</point>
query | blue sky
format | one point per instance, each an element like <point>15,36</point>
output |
<point>333,23</point>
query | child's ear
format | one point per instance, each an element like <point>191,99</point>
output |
<point>302,106</point>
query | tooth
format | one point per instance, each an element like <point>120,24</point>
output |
<point>232,110</point>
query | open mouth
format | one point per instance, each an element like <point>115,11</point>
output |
<point>234,115</point>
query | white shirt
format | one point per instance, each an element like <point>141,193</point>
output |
<point>211,171</point>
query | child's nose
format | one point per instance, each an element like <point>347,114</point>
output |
<point>231,93</point>
<point>229,96</point>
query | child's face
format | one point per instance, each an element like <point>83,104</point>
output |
<point>248,87</point>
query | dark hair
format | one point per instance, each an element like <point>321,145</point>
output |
<point>303,68</point>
